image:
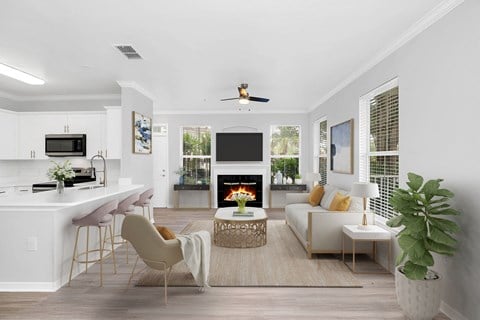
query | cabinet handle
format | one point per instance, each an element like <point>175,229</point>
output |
<point>68,128</point>
<point>106,153</point>
<point>34,154</point>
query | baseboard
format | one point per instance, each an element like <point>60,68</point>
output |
<point>29,286</point>
<point>451,312</point>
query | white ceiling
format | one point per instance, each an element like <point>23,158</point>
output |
<point>197,52</point>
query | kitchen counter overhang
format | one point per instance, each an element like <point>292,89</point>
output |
<point>37,235</point>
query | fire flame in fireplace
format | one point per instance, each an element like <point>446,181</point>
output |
<point>240,190</point>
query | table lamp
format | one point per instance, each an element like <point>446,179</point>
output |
<point>364,190</point>
<point>313,176</point>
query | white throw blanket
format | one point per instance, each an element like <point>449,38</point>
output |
<point>196,253</point>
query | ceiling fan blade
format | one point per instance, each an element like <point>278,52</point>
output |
<point>257,99</point>
<point>229,99</point>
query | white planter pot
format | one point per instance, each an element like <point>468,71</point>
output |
<point>419,299</point>
<point>298,181</point>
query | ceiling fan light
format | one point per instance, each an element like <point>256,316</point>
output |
<point>243,101</point>
<point>20,75</point>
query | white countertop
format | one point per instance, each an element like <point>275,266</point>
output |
<point>71,197</point>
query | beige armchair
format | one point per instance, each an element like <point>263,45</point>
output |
<point>156,252</point>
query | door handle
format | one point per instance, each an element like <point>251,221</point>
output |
<point>33,154</point>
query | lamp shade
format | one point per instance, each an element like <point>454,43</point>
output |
<point>365,190</point>
<point>313,176</point>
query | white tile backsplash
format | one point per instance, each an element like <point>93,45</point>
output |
<point>33,171</point>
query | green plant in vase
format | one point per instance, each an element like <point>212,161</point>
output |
<point>421,209</point>
<point>61,172</point>
<point>242,199</point>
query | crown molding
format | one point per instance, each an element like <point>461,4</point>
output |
<point>418,27</point>
<point>78,97</point>
<point>136,86</point>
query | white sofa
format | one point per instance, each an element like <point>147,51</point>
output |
<point>320,230</point>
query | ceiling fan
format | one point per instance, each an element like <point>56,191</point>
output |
<point>244,97</point>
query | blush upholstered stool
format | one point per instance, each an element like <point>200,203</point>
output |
<point>99,218</point>
<point>125,207</point>
<point>144,201</point>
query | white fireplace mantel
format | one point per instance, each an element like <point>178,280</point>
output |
<point>241,169</point>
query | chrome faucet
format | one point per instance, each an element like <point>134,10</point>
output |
<point>104,169</point>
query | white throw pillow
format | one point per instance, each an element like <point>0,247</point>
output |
<point>328,196</point>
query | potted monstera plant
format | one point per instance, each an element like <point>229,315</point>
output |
<point>422,208</point>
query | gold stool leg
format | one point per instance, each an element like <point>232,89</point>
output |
<point>74,257</point>
<point>86,252</point>
<point>101,255</point>
<point>113,251</point>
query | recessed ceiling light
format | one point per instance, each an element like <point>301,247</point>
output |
<point>20,75</point>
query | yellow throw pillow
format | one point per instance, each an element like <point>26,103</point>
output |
<point>166,233</point>
<point>340,202</point>
<point>316,195</point>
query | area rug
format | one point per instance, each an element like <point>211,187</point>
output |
<point>282,262</point>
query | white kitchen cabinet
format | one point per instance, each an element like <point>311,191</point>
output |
<point>113,132</point>
<point>93,125</point>
<point>8,134</point>
<point>33,126</point>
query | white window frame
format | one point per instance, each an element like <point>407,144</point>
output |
<point>182,156</point>
<point>364,134</point>
<point>316,147</point>
<point>286,156</point>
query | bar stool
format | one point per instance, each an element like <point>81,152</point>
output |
<point>125,207</point>
<point>144,201</point>
<point>100,218</point>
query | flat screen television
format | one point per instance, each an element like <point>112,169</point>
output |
<point>239,146</point>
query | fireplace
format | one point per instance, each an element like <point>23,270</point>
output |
<point>228,185</point>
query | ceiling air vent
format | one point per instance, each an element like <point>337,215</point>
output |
<point>128,51</point>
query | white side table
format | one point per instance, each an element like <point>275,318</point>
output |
<point>374,234</point>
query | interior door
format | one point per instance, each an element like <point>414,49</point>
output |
<point>160,165</point>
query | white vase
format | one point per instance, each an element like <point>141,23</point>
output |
<point>289,180</point>
<point>298,181</point>
<point>419,299</point>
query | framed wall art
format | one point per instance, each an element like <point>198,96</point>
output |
<point>142,133</point>
<point>341,147</point>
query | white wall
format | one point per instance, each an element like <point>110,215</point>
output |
<point>139,167</point>
<point>439,101</point>
<point>219,122</point>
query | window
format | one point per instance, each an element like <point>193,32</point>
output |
<point>196,154</point>
<point>285,150</point>
<point>320,149</point>
<point>379,153</point>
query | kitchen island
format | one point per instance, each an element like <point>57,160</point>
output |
<point>37,235</point>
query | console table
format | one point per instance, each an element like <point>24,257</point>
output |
<point>285,187</point>
<point>190,187</point>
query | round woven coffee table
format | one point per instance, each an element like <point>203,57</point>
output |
<point>240,231</point>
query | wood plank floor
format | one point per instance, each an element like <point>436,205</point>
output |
<point>85,300</point>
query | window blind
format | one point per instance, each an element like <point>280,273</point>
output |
<point>322,151</point>
<point>379,148</point>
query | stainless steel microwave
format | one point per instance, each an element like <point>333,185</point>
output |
<point>66,145</point>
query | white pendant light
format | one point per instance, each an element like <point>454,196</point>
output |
<point>20,75</point>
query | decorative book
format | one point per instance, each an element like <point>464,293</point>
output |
<point>244,214</point>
